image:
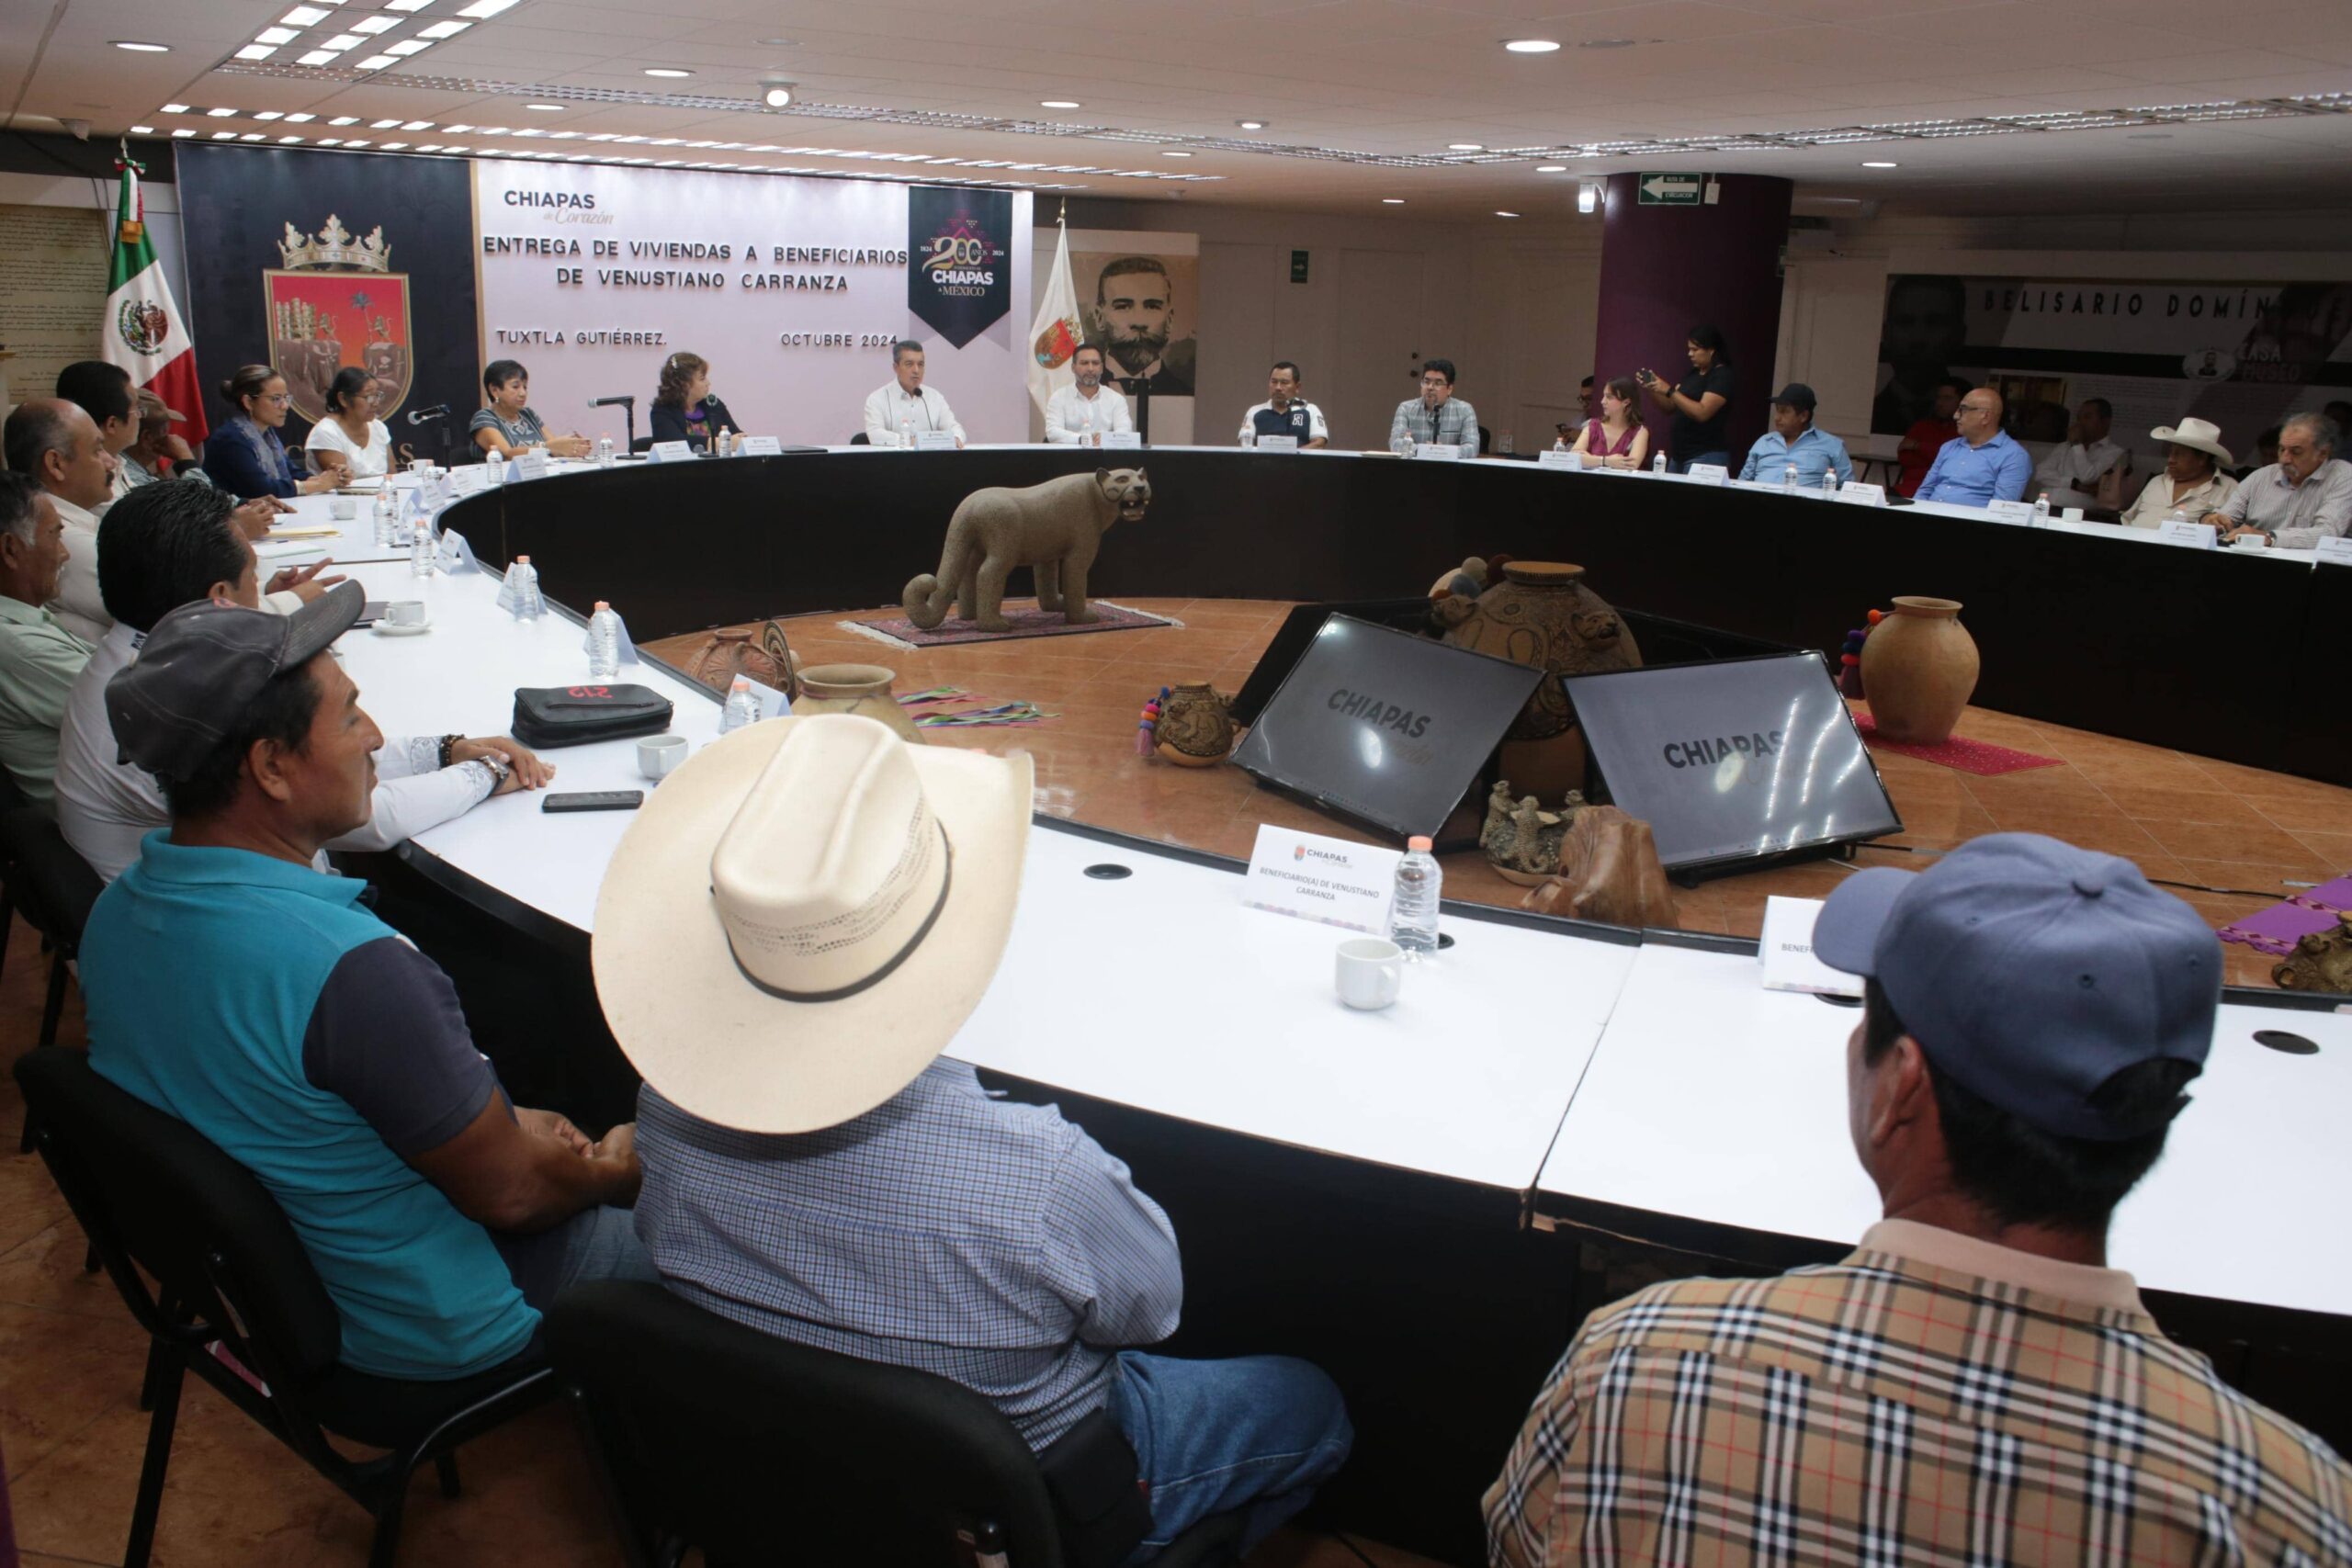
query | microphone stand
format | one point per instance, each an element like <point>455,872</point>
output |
<point>1139,388</point>
<point>628,410</point>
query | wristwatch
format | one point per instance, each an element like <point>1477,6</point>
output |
<point>500,770</point>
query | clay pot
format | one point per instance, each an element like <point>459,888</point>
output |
<point>1542,614</point>
<point>1918,670</point>
<point>1195,727</point>
<point>862,689</point>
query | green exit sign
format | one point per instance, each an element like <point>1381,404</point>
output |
<point>1671,190</point>
<point>1298,266</point>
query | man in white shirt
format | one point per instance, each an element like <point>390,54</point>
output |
<point>1081,414</point>
<point>2088,458</point>
<point>56,446</point>
<point>168,545</point>
<point>104,392</point>
<point>1284,412</point>
<point>902,409</point>
<point>2304,497</point>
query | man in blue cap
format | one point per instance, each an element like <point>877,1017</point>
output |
<point>1973,1384</point>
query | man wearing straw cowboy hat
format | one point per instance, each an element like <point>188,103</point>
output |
<point>795,925</point>
<point>2192,483</point>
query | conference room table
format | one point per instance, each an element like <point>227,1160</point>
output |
<point>1606,1084</point>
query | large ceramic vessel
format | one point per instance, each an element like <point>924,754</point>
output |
<point>1542,614</point>
<point>1918,670</point>
<point>862,689</point>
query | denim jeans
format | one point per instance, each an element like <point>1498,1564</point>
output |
<point>1256,1432</point>
<point>1682,465</point>
<point>594,1244</point>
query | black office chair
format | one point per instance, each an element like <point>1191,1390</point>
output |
<point>708,1433</point>
<point>53,889</point>
<point>861,439</point>
<point>237,1302</point>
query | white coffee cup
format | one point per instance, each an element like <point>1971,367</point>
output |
<point>1371,969</point>
<point>658,756</point>
<point>343,508</point>
<point>406,611</point>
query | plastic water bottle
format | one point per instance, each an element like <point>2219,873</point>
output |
<point>1789,480</point>
<point>1412,914</point>
<point>1248,437</point>
<point>520,597</point>
<point>907,429</point>
<point>1829,486</point>
<point>1506,446</point>
<point>384,516</point>
<point>742,709</point>
<point>2042,510</point>
<point>1658,465</point>
<point>604,643</point>
<point>604,451</point>
<point>422,548</point>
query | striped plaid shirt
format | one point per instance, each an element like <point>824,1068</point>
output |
<point>1455,424</point>
<point>986,1242</point>
<point>1932,1401</point>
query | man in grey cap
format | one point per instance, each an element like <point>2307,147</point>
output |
<point>1795,442</point>
<point>1974,1384</point>
<point>258,999</point>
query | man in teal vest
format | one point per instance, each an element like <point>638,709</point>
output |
<point>259,1000</point>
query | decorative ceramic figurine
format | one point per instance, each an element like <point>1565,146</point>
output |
<point>2321,962</point>
<point>1609,872</point>
<point>1542,614</point>
<point>1054,528</point>
<point>759,651</point>
<point>1522,843</point>
<point>1918,669</point>
<point>862,689</point>
<point>1495,834</point>
<point>1195,726</point>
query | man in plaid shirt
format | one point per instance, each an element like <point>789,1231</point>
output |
<point>1974,1385</point>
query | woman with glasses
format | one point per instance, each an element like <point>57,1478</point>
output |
<point>351,436</point>
<point>244,456</point>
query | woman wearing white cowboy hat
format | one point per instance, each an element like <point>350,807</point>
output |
<point>799,921</point>
<point>2192,483</point>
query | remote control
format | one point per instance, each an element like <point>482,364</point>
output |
<point>595,800</point>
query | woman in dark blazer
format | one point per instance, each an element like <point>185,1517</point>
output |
<point>684,409</point>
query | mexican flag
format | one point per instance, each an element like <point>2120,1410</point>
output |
<point>1054,335</point>
<point>141,330</point>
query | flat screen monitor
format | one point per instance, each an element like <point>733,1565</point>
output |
<point>1733,760</point>
<point>1296,634</point>
<point>1384,726</point>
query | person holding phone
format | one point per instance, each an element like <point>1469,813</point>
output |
<point>1700,433</point>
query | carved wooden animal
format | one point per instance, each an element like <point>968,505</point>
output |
<point>1495,833</point>
<point>1609,872</point>
<point>2321,962</point>
<point>1054,528</point>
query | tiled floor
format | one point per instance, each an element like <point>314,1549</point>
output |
<point>2188,820</point>
<point>70,1357</point>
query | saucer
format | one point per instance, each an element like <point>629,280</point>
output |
<point>386,628</point>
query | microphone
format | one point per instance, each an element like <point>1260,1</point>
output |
<point>607,403</point>
<point>438,410</point>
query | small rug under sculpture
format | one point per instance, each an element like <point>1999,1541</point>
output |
<point>2275,930</point>
<point>1979,757</point>
<point>951,707</point>
<point>1026,619</point>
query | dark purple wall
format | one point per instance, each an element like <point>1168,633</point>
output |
<point>1663,269</point>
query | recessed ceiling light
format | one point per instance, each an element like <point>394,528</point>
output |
<point>418,125</point>
<point>1531,45</point>
<point>176,109</point>
<point>546,108</point>
<point>136,46</point>
<point>267,114</point>
<point>408,5</point>
<point>342,41</point>
<point>445,29</point>
<point>1059,104</point>
<point>300,118</point>
<point>375,24</point>
<point>481,8</point>
<point>1170,153</point>
<point>183,133</point>
<point>1500,213</point>
<point>317,57</point>
<point>1250,124</point>
<point>1465,147</point>
<point>303,15</point>
<point>1551,168</point>
<point>409,46</point>
<point>391,124</point>
<point>776,92</point>
<point>253,136</point>
<point>221,114</point>
<point>224,136</point>
<point>376,63</point>
<point>284,139</point>
<point>491,130</point>
<point>345,119</point>
<point>1392,201</point>
<point>1878,164</point>
<point>395,146</point>
<point>358,141</point>
<point>1606,43</point>
<point>142,130</point>
<point>257,52</point>
<point>667,71</point>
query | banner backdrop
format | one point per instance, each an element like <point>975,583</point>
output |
<point>315,261</point>
<point>960,261</point>
<point>2240,355</point>
<point>1139,295</point>
<point>792,289</point>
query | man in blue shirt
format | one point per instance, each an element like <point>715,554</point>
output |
<point>234,985</point>
<point>797,922</point>
<point>1981,465</point>
<point>1793,442</point>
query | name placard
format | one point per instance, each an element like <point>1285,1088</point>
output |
<point>1861,494</point>
<point>1706,473</point>
<point>935,441</point>
<point>760,446</point>
<point>2334,552</point>
<point>2016,511</point>
<point>1314,879</point>
<point>1278,444</point>
<point>1553,458</point>
<point>1429,452</point>
<point>773,703</point>
<point>470,480</point>
<point>1786,951</point>
<point>2195,536</point>
<point>1123,440</point>
<point>669,452</point>
<point>531,465</point>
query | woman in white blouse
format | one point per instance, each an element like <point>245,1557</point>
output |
<point>351,436</point>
